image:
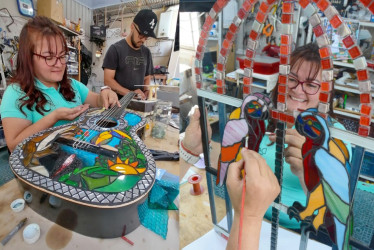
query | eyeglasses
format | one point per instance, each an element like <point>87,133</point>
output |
<point>310,88</point>
<point>52,60</point>
<point>139,34</point>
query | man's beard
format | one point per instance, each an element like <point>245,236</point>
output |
<point>133,41</point>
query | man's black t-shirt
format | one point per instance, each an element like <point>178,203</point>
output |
<point>131,65</point>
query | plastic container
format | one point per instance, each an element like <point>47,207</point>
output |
<point>17,205</point>
<point>161,119</point>
<point>31,233</point>
<point>265,65</point>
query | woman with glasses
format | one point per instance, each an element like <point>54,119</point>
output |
<point>40,94</point>
<point>303,93</point>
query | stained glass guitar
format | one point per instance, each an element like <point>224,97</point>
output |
<point>100,152</point>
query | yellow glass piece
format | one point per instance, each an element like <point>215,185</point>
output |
<point>318,220</point>
<point>235,114</point>
<point>315,201</point>
<point>336,152</point>
<point>124,169</point>
<point>123,134</point>
<point>343,147</point>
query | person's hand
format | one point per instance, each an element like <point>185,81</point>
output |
<point>192,139</point>
<point>292,153</point>
<point>140,94</point>
<point>109,98</point>
<point>69,113</point>
<point>262,186</point>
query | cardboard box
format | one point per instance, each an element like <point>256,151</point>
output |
<point>52,9</point>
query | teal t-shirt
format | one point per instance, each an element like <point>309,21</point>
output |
<point>10,104</point>
<point>291,187</point>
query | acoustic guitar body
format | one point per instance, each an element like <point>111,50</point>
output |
<point>90,175</point>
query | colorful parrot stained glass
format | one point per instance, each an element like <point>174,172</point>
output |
<point>328,215</point>
<point>248,120</point>
<point>326,176</point>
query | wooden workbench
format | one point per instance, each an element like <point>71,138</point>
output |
<point>54,236</point>
<point>195,214</point>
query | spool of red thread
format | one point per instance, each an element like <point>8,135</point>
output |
<point>195,181</point>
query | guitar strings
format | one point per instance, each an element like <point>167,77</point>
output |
<point>86,136</point>
<point>101,123</point>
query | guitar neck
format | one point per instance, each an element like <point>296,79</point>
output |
<point>117,111</point>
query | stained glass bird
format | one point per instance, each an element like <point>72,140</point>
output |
<point>247,120</point>
<point>326,176</point>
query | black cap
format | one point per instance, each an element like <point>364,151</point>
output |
<point>146,21</point>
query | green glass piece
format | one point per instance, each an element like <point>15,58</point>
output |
<point>93,183</point>
<point>140,156</point>
<point>71,183</point>
<point>122,183</point>
<point>337,207</point>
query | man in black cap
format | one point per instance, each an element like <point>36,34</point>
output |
<point>127,62</point>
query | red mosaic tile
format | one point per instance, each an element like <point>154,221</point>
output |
<point>247,80</point>
<point>230,36</point>
<point>283,117</point>
<point>220,67</point>
<point>282,88</point>
<point>253,2</point>
<point>366,109</point>
<point>226,44</point>
<point>220,90</point>
<point>290,119</point>
<point>336,21</point>
<point>264,7</point>
<point>355,52</point>
<point>233,28</point>
<point>363,131</point>
<point>286,39</point>
<point>287,18</point>
<point>198,56</point>
<point>281,98</point>
<point>362,75</point>
<point>198,85</point>
<point>284,59</point>
<point>223,52</point>
<point>324,97</point>
<point>318,30</point>
<point>253,35</point>
<point>204,34</point>
<point>365,121</point>
<point>326,86</point>
<point>216,8</point>
<point>365,98</point>
<point>285,49</point>
<point>221,3</point>
<point>197,71</point>
<point>247,5</point>
<point>303,3</point>
<point>246,89</point>
<point>348,41</point>
<point>219,83</point>
<point>324,52</point>
<point>199,48</point>
<point>323,4</point>
<point>248,63</point>
<point>249,53</point>
<point>287,7</point>
<point>260,17</point>
<point>327,63</point>
<point>282,79</point>
<point>202,41</point>
<point>274,114</point>
<point>242,13</point>
<point>270,2</point>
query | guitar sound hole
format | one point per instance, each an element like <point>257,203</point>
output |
<point>106,123</point>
